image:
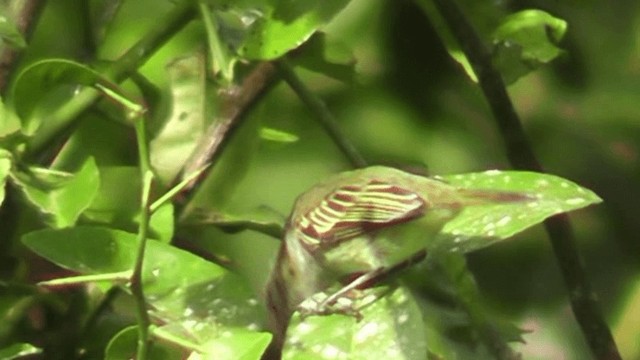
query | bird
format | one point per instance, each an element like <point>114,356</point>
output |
<point>355,225</point>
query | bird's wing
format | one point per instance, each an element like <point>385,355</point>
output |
<point>353,210</point>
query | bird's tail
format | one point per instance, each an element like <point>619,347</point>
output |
<point>487,197</point>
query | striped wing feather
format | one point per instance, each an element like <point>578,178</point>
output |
<point>351,211</point>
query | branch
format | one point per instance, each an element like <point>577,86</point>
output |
<point>520,153</point>
<point>136,284</point>
<point>322,113</point>
<point>236,103</point>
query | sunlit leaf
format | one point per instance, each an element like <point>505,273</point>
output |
<point>186,122</point>
<point>278,27</point>
<point>61,196</point>
<point>525,41</point>
<point>480,226</point>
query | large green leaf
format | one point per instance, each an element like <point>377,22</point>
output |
<point>42,79</point>
<point>199,303</point>
<point>60,195</point>
<point>483,225</point>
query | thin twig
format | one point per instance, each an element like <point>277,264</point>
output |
<point>322,113</point>
<point>520,153</point>
<point>136,278</point>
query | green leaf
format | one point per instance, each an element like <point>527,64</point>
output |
<point>285,25</point>
<point>235,343</point>
<point>525,41</point>
<point>43,78</point>
<point>95,250</point>
<point>392,322</point>
<point>161,223</point>
<point>117,204</point>
<point>118,199</point>
<point>198,301</point>
<point>90,250</point>
<point>60,195</point>
<point>10,124</point>
<point>483,225</point>
<point>19,350</point>
<point>186,122</point>
<point>276,135</point>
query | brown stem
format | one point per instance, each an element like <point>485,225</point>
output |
<point>322,113</point>
<point>236,103</point>
<point>520,153</point>
<point>24,19</point>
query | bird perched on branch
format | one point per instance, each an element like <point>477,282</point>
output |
<point>355,225</point>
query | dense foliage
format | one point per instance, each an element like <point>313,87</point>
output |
<point>151,152</point>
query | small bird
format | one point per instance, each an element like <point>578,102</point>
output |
<point>355,224</point>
